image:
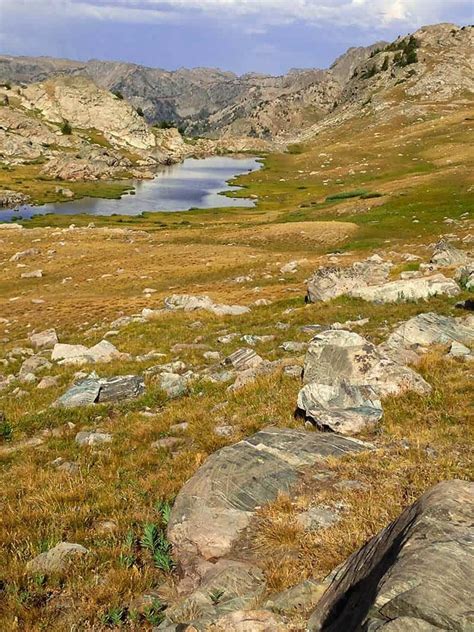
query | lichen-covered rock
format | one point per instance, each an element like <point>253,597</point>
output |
<point>44,339</point>
<point>421,288</point>
<point>95,390</point>
<point>416,574</point>
<point>190,303</point>
<point>330,282</point>
<point>445,254</point>
<point>431,329</point>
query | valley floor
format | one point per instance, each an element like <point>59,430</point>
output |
<point>392,189</point>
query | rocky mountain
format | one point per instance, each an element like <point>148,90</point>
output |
<point>206,100</point>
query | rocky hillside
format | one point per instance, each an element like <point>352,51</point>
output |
<point>205,100</point>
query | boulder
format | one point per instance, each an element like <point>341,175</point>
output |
<point>95,390</point>
<point>103,351</point>
<point>330,282</point>
<point>416,574</point>
<point>457,350</point>
<point>445,254</point>
<point>243,359</point>
<point>408,290</point>
<point>174,384</point>
<point>56,559</point>
<point>31,252</point>
<point>336,355</point>
<point>44,339</point>
<point>34,364</point>
<point>190,303</point>
<point>340,407</point>
<point>218,502</point>
<point>32,274</point>
<point>303,596</point>
<point>431,329</point>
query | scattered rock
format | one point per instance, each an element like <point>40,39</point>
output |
<point>167,443</point>
<point>94,437</point>
<point>33,274</point>
<point>44,339</point>
<point>56,559</point>
<point>294,347</point>
<point>174,384</point>
<point>302,597</point>
<point>431,329</point>
<point>318,517</point>
<point>243,359</point>
<point>417,573</point>
<point>457,350</point>
<point>103,351</point>
<point>289,268</point>
<point>31,252</point>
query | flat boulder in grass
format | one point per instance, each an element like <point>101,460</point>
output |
<point>95,390</point>
<point>218,502</point>
<point>103,351</point>
<point>416,574</point>
<point>190,303</point>
<point>422,288</point>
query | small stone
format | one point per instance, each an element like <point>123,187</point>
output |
<point>56,559</point>
<point>92,438</point>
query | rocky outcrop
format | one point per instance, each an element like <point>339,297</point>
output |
<point>330,282</point>
<point>95,390</point>
<point>416,574</point>
<point>431,329</point>
<point>445,254</point>
<point>344,378</point>
<point>408,290</point>
<point>217,503</point>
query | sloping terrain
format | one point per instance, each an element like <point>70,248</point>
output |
<point>108,505</point>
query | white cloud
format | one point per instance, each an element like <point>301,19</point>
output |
<point>362,13</point>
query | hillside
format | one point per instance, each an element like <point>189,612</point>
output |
<point>255,419</point>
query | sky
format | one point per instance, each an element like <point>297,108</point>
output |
<point>269,36</point>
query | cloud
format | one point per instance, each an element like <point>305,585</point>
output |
<point>373,14</point>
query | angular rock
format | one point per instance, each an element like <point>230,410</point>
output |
<point>32,274</point>
<point>56,559</point>
<point>457,350</point>
<point>243,359</point>
<point>34,364</point>
<point>219,500</point>
<point>174,384</point>
<point>103,351</point>
<point>341,406</point>
<point>189,303</point>
<point>409,290</point>
<point>294,347</point>
<point>95,390</point>
<point>416,574</point>
<point>44,339</point>
<point>445,254</point>
<point>329,282</point>
<point>31,252</point>
<point>431,329</point>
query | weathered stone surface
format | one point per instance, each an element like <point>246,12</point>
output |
<point>431,329</point>
<point>457,350</point>
<point>417,572</point>
<point>174,384</point>
<point>189,303</point>
<point>250,621</point>
<point>445,254</point>
<point>408,290</point>
<point>341,406</point>
<point>44,339</point>
<point>31,252</point>
<point>34,364</point>
<point>218,501</point>
<point>103,351</point>
<point>318,517</point>
<point>56,559</point>
<point>303,596</point>
<point>94,390</point>
<point>336,355</point>
<point>328,283</point>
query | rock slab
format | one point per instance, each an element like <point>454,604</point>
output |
<point>416,574</point>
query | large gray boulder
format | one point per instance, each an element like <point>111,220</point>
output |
<point>330,282</point>
<point>416,574</point>
<point>432,329</point>
<point>103,351</point>
<point>218,502</point>
<point>416,289</point>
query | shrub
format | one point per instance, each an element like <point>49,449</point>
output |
<point>6,430</point>
<point>66,128</point>
<point>344,195</point>
<point>140,111</point>
<point>118,94</point>
<point>386,62</point>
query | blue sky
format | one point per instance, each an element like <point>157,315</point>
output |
<point>268,36</point>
